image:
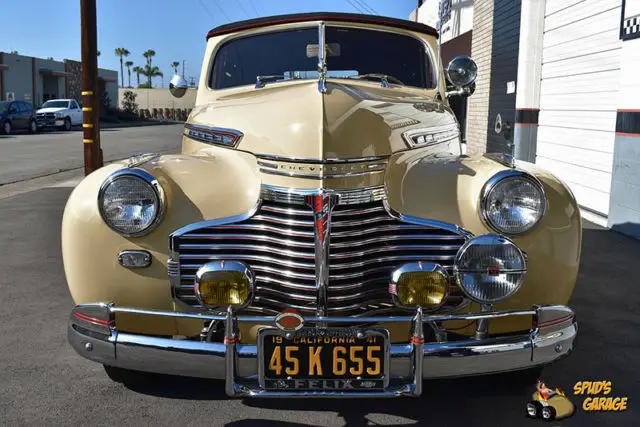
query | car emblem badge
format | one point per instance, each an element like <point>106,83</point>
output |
<point>289,322</point>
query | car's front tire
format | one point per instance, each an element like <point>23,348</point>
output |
<point>33,126</point>
<point>67,124</point>
<point>124,376</point>
<point>6,127</point>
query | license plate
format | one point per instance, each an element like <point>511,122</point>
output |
<point>324,359</point>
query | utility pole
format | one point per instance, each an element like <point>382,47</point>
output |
<point>183,68</point>
<point>90,92</point>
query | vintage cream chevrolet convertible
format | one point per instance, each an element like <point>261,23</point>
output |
<point>322,233</point>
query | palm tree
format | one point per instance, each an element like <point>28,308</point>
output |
<point>175,65</point>
<point>149,54</point>
<point>138,70</point>
<point>128,64</point>
<point>150,72</point>
<point>121,52</point>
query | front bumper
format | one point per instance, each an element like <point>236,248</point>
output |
<point>44,123</point>
<point>93,334</point>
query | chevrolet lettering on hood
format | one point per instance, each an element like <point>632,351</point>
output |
<point>322,233</point>
<point>319,169</point>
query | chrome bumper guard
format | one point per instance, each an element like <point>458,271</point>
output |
<point>93,334</point>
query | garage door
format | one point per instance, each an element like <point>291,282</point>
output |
<point>578,96</point>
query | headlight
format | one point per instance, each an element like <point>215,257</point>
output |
<point>224,283</point>
<point>59,115</point>
<point>489,268</point>
<point>513,202</point>
<point>131,202</point>
<point>422,284</point>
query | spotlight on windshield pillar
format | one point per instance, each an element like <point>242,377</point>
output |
<point>178,86</point>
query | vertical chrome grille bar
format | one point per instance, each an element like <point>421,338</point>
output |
<point>322,204</point>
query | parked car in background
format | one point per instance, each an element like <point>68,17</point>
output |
<point>16,115</point>
<point>60,113</point>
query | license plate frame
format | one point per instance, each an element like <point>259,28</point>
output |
<point>338,383</point>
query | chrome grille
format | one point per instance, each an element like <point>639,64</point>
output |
<point>278,242</point>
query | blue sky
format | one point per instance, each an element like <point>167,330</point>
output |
<point>174,29</point>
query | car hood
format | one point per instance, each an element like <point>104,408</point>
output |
<point>50,110</point>
<point>350,120</point>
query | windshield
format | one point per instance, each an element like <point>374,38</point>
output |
<point>3,106</point>
<point>56,104</point>
<point>351,53</point>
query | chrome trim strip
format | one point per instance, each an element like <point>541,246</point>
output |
<point>149,179</point>
<point>329,160</point>
<point>345,197</point>
<point>138,159</point>
<point>428,222</point>
<point>503,158</point>
<point>198,131</point>
<point>320,176</point>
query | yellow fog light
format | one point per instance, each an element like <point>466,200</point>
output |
<point>421,284</point>
<point>223,284</point>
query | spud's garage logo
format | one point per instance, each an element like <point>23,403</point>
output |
<point>552,404</point>
<point>598,396</point>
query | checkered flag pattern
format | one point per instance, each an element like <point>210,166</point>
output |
<point>631,28</point>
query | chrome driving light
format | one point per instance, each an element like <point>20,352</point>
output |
<point>489,268</point>
<point>224,283</point>
<point>513,202</point>
<point>419,284</point>
<point>131,202</point>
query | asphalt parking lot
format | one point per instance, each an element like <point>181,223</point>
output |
<point>27,156</point>
<point>44,382</point>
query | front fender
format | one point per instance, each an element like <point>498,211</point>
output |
<point>449,189</point>
<point>196,188</point>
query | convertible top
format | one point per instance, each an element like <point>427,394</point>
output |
<point>322,16</point>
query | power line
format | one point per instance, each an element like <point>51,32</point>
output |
<point>243,9</point>
<point>366,6</point>
<point>209,12</point>
<point>254,8</point>
<point>355,6</point>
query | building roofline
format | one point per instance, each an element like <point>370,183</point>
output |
<point>322,16</point>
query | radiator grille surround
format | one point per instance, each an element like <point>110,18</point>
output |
<point>278,242</point>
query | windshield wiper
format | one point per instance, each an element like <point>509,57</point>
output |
<point>384,79</point>
<point>260,79</point>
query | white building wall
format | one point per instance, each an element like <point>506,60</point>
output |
<point>579,96</point>
<point>461,17</point>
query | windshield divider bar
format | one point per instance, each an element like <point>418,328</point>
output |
<point>322,61</point>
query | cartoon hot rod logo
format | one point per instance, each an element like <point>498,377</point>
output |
<point>549,404</point>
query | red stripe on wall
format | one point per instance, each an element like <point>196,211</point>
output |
<point>634,135</point>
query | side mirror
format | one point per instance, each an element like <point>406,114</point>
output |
<point>178,86</point>
<point>461,73</point>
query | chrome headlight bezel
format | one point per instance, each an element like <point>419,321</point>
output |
<point>499,178</point>
<point>149,180</point>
